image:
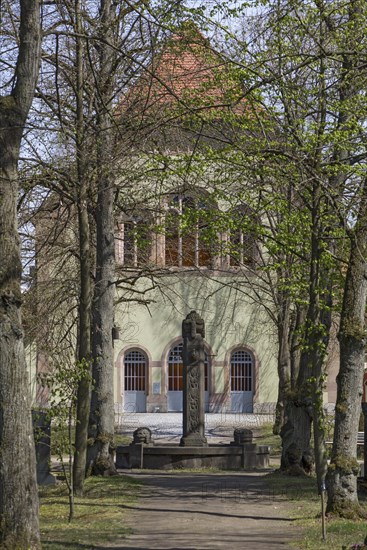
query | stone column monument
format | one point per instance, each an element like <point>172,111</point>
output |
<point>193,356</point>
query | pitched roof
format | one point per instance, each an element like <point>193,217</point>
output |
<point>185,76</point>
<point>186,63</point>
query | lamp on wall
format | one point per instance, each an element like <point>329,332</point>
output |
<point>115,332</point>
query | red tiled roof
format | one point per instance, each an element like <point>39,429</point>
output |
<point>187,73</point>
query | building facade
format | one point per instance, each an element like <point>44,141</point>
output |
<point>185,241</point>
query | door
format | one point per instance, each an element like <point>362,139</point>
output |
<point>242,367</point>
<point>135,374</point>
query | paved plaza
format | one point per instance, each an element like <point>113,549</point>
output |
<point>169,425</point>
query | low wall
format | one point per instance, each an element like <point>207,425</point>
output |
<point>248,456</point>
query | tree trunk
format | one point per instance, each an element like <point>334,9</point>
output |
<point>306,399</point>
<point>296,435</point>
<point>284,363</point>
<point>18,485</point>
<point>101,429</point>
<point>296,429</point>
<point>85,297</point>
<point>343,470</point>
<point>318,326</point>
<point>84,351</point>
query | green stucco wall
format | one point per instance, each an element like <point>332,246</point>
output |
<point>233,318</point>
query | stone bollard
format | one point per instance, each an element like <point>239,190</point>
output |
<point>142,435</point>
<point>242,436</point>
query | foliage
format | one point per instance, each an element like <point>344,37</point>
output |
<point>287,142</point>
<point>63,386</point>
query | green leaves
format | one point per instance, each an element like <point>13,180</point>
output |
<point>62,387</point>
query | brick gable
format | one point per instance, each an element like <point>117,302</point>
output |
<point>187,75</point>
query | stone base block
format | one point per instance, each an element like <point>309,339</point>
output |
<point>193,440</point>
<point>168,457</point>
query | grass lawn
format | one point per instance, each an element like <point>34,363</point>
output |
<point>301,493</point>
<point>122,439</point>
<point>99,515</point>
<point>264,436</point>
<point>306,505</point>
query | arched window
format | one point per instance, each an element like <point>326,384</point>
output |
<point>135,369</point>
<point>242,240</point>
<point>175,369</point>
<point>242,364</point>
<point>187,231</point>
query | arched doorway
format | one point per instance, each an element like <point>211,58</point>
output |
<point>135,381</point>
<point>242,365</point>
<point>175,379</point>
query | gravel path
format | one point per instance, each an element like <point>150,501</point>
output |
<point>182,511</point>
<point>194,511</point>
<point>166,424</point>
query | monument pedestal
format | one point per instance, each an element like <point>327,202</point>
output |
<point>193,440</point>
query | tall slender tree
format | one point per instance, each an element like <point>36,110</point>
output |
<point>102,405</point>
<point>85,263</point>
<point>309,59</point>
<point>18,485</point>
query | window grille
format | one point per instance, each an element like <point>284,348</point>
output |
<point>135,364</point>
<point>241,371</point>
<point>185,245</point>
<point>133,243</point>
<point>242,242</point>
<point>175,367</point>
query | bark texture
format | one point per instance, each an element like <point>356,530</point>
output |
<point>18,486</point>
<point>284,361</point>
<point>84,350</point>
<point>296,424</point>
<point>342,482</point>
<point>85,301</point>
<point>343,470</point>
<point>101,428</point>
<point>296,435</point>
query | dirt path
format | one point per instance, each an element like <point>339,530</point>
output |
<point>180,511</point>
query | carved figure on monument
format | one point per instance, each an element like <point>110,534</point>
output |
<point>142,435</point>
<point>193,357</point>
